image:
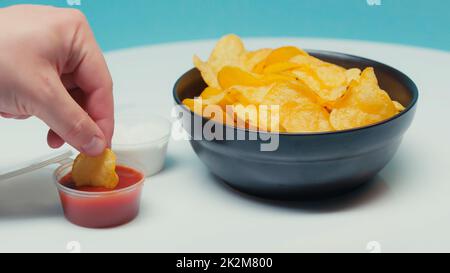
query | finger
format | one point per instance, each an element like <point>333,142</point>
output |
<point>69,121</point>
<point>53,140</point>
<point>79,96</point>
<point>6,115</point>
<point>12,116</point>
<point>68,81</point>
<point>21,117</point>
<point>90,73</point>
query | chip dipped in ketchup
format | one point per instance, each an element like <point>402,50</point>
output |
<point>97,207</point>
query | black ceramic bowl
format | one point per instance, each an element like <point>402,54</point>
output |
<point>305,166</point>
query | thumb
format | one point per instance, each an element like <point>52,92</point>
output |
<point>70,122</point>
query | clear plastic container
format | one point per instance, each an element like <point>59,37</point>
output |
<point>142,138</point>
<point>100,209</point>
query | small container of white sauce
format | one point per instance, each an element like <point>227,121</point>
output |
<point>142,138</point>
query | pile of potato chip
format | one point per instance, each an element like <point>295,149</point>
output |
<point>311,95</point>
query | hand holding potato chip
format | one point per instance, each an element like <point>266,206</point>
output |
<point>52,68</point>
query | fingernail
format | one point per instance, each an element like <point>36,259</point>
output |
<point>95,147</point>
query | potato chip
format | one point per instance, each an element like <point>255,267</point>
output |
<point>246,116</point>
<point>328,81</point>
<point>265,118</point>
<point>231,76</point>
<point>348,118</point>
<point>306,77</point>
<point>216,113</point>
<point>283,54</point>
<point>304,117</point>
<point>369,97</point>
<point>283,93</point>
<point>365,103</point>
<point>213,108</point>
<point>306,60</point>
<point>279,67</point>
<point>331,76</point>
<point>269,118</point>
<point>98,171</point>
<point>306,91</point>
<point>198,104</point>
<point>229,51</point>
<point>209,92</point>
<point>398,106</point>
<point>269,79</point>
<point>253,58</point>
<point>190,103</point>
<point>248,94</point>
<point>352,74</point>
<point>208,74</point>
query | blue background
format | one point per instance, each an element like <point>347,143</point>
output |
<point>125,23</point>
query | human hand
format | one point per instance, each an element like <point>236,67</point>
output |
<point>51,67</point>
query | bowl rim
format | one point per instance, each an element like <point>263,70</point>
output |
<point>411,86</point>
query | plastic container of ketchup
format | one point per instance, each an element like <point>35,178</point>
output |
<point>99,207</point>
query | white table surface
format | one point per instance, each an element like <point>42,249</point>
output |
<point>185,209</point>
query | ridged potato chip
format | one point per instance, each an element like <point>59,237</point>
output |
<point>283,93</point>
<point>231,76</point>
<point>229,51</point>
<point>331,76</point>
<point>280,67</point>
<point>327,80</point>
<point>352,74</point>
<point>304,117</point>
<point>398,106</point>
<point>365,103</point>
<point>266,118</point>
<point>249,95</point>
<point>98,171</point>
<point>283,54</point>
<point>253,58</point>
<point>269,118</point>
<point>269,79</point>
<point>348,118</point>
<point>246,116</point>
<point>210,92</point>
<point>208,74</point>
<point>197,105</point>
<point>368,96</point>
<point>306,77</point>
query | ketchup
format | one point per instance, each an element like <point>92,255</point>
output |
<point>97,207</point>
